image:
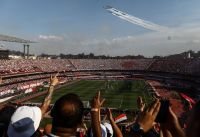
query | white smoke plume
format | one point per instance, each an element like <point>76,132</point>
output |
<point>135,20</point>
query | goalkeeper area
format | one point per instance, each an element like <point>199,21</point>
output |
<point>120,94</point>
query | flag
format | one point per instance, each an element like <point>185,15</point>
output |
<point>120,118</point>
<point>188,98</point>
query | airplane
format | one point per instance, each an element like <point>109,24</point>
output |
<point>137,21</point>
<point>178,33</point>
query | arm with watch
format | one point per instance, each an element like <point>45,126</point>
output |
<point>47,100</point>
<point>145,120</point>
<point>95,115</point>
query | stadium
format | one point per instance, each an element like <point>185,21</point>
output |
<point>121,81</point>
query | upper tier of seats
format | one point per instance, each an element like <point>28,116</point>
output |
<point>183,66</point>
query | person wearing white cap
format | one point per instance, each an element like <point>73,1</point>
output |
<point>102,129</point>
<point>109,129</point>
<point>106,130</point>
<point>24,122</point>
<point>112,125</point>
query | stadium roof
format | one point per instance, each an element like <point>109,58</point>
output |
<point>14,39</point>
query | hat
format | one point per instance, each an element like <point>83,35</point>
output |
<point>24,122</point>
<point>109,128</point>
<point>105,129</point>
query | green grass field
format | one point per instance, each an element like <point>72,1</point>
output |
<point>118,94</point>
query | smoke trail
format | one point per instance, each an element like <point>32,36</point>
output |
<point>132,19</point>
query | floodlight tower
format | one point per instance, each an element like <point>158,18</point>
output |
<point>26,43</point>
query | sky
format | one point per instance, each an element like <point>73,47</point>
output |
<point>84,26</point>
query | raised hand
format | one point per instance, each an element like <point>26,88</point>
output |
<point>172,125</point>
<point>116,129</point>
<point>140,103</point>
<point>95,114</point>
<point>109,115</point>
<point>148,116</point>
<point>54,80</point>
<point>47,100</point>
<point>97,102</point>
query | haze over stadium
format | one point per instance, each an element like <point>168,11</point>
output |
<point>61,26</point>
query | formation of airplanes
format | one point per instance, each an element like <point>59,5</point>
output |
<point>136,20</point>
<point>180,34</point>
<point>169,33</point>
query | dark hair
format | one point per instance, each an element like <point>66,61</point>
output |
<point>5,116</point>
<point>67,112</point>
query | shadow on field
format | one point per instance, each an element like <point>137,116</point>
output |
<point>125,87</point>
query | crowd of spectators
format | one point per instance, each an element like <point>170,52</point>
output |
<point>66,119</point>
<point>14,67</point>
<point>182,66</point>
<point>110,64</point>
<point>185,66</point>
<point>68,112</point>
<point>160,91</point>
<point>22,85</point>
<point>29,66</point>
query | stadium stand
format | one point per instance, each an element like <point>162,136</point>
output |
<point>183,66</point>
<point>22,79</point>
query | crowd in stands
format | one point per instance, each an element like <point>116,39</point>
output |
<point>68,112</point>
<point>22,67</point>
<point>109,64</point>
<point>183,66</point>
<point>160,91</point>
<point>30,66</point>
<point>26,84</point>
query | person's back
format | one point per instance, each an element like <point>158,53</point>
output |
<point>193,125</point>
<point>67,115</point>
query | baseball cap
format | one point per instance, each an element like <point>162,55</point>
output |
<point>24,122</point>
<point>109,128</point>
<point>105,129</point>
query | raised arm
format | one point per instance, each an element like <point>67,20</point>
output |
<point>116,129</point>
<point>145,120</point>
<point>95,112</point>
<point>47,100</point>
<point>172,125</point>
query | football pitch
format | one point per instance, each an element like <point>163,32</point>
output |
<point>118,94</point>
